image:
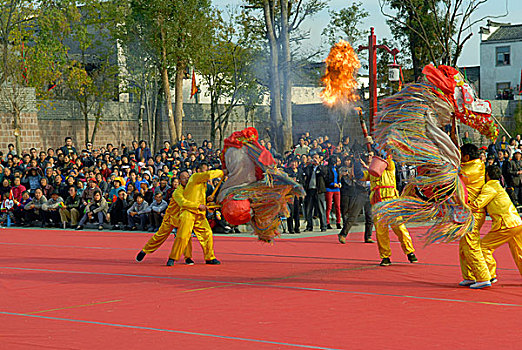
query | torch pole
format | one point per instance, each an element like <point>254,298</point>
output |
<point>363,127</point>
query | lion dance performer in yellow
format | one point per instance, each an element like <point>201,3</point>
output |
<point>411,127</point>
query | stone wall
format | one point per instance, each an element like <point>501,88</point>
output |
<point>48,124</point>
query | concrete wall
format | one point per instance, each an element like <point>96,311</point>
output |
<point>490,74</point>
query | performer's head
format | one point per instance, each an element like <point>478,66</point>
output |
<point>493,172</point>
<point>183,178</point>
<point>469,152</point>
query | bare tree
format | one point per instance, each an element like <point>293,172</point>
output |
<point>444,27</point>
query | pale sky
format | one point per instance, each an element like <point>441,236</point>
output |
<point>470,55</point>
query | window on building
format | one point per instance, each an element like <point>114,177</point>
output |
<point>503,56</point>
<point>504,91</point>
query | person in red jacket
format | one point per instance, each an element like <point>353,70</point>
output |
<point>17,190</point>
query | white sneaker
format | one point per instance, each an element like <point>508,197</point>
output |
<point>466,283</point>
<point>493,280</point>
<point>480,285</point>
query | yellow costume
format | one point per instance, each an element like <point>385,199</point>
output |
<point>382,189</point>
<point>506,224</point>
<point>169,223</point>
<point>193,219</point>
<point>472,263</point>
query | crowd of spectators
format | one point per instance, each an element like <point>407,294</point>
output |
<point>130,187</point>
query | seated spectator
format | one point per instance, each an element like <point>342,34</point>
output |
<point>70,212</point>
<point>137,213</point>
<point>19,212</point>
<point>118,210</point>
<point>33,209</point>
<point>163,187</point>
<point>116,187</point>
<point>46,188</point>
<point>146,192</point>
<point>88,193</point>
<point>51,210</point>
<point>102,184</point>
<point>6,210</point>
<point>17,189</point>
<point>96,209</point>
<point>80,187</point>
<point>156,212</point>
<point>5,188</point>
<point>32,179</point>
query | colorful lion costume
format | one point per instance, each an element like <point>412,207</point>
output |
<point>255,191</point>
<point>410,126</point>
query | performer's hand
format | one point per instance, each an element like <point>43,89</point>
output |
<point>202,207</point>
<point>210,199</point>
<point>369,140</point>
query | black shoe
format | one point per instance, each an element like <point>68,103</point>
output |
<point>412,258</point>
<point>297,230</point>
<point>170,262</point>
<point>134,228</point>
<point>323,230</point>
<point>79,228</point>
<point>152,229</point>
<point>290,231</point>
<point>100,228</point>
<point>140,256</point>
<point>341,238</point>
<point>369,240</point>
<point>385,262</point>
<point>189,261</point>
<point>309,229</point>
<point>115,227</point>
<point>328,227</point>
<point>236,230</point>
<point>213,262</point>
<point>339,226</point>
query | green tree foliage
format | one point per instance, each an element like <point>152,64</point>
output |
<point>345,24</point>
<point>173,32</point>
<point>227,67</point>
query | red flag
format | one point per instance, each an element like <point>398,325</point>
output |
<point>194,89</point>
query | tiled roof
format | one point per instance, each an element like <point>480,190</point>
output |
<point>508,32</point>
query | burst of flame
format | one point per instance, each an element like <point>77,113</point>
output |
<point>340,80</point>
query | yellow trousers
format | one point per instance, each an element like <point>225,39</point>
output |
<point>199,224</point>
<point>494,239</point>
<point>472,263</point>
<point>161,236</point>
<point>383,238</point>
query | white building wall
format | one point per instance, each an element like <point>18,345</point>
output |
<point>300,94</point>
<point>491,74</point>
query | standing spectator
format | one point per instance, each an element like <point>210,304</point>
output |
<point>466,139</point>
<point>137,213</point>
<point>51,210</point>
<point>333,191</point>
<point>315,187</point>
<point>143,152</point>
<point>68,148</point>
<point>157,211</point>
<point>515,170</point>
<point>33,209</point>
<point>97,208</point>
<point>118,210</point>
<point>293,221</point>
<point>70,212</point>
<point>301,148</point>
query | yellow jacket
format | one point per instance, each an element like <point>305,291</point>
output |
<point>385,187</point>
<point>499,206</point>
<point>195,193</point>
<point>175,205</point>
<point>473,174</point>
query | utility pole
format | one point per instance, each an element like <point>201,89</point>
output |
<point>372,58</point>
